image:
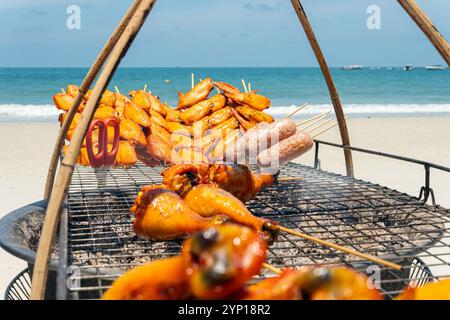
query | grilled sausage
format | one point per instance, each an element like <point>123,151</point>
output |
<point>262,136</point>
<point>286,150</point>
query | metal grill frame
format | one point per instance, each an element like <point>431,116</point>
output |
<point>323,206</point>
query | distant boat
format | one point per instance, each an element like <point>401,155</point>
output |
<point>352,67</point>
<point>408,67</point>
<point>435,67</point>
<point>167,81</point>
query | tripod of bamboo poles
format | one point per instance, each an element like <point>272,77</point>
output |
<point>120,44</point>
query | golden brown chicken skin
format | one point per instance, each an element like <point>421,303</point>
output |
<point>199,93</point>
<point>132,132</point>
<point>159,280</point>
<point>209,200</point>
<point>160,214</point>
<point>221,260</point>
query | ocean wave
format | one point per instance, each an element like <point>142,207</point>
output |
<point>28,112</point>
<point>46,112</point>
<point>366,109</point>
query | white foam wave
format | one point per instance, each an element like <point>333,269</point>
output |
<point>367,109</point>
<point>28,112</point>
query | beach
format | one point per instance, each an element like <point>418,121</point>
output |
<point>25,162</point>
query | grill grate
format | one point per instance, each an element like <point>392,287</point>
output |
<point>371,218</point>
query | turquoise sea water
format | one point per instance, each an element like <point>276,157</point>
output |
<point>25,93</point>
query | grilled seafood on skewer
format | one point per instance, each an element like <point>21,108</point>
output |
<point>221,260</point>
<point>199,93</point>
<point>160,214</point>
<point>250,99</point>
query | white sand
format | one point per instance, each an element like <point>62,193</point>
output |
<point>27,149</point>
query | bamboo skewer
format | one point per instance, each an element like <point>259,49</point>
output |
<point>303,106</point>
<point>64,175</point>
<point>272,268</point>
<point>244,85</point>
<point>86,84</point>
<point>145,87</point>
<point>317,126</point>
<point>192,80</point>
<point>117,89</point>
<point>63,91</point>
<point>249,86</point>
<point>326,129</point>
<point>313,118</point>
<point>336,246</point>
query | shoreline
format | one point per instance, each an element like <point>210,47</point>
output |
<point>29,146</point>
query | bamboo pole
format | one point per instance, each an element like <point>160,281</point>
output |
<point>330,83</point>
<point>85,85</point>
<point>427,27</point>
<point>64,174</point>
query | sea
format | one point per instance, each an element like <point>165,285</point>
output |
<point>26,93</point>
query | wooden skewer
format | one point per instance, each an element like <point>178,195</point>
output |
<point>192,80</point>
<point>145,87</point>
<point>117,89</point>
<point>272,268</point>
<point>326,129</point>
<point>316,127</point>
<point>336,246</point>
<point>303,106</point>
<point>63,91</point>
<point>244,85</point>
<point>313,118</point>
<point>249,86</point>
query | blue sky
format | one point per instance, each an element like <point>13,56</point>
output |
<point>218,33</point>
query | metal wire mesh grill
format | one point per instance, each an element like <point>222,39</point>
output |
<point>368,217</point>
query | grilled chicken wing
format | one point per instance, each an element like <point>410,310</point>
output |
<point>132,132</point>
<point>221,260</point>
<point>315,283</point>
<point>137,115</point>
<point>159,149</point>
<point>104,112</point>
<point>142,99</point>
<point>121,102</point>
<point>199,93</point>
<point>126,154</point>
<point>63,101</point>
<point>159,280</point>
<point>160,214</point>
<point>209,200</point>
<point>182,177</point>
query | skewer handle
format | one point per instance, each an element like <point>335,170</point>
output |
<point>303,106</point>
<point>272,268</point>
<point>335,246</point>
